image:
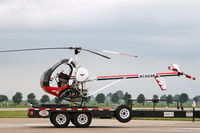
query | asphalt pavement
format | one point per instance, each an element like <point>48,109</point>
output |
<point>35,125</point>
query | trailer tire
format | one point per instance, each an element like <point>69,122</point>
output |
<point>123,113</point>
<point>60,120</point>
<point>51,120</point>
<point>82,120</point>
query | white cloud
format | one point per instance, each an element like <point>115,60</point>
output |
<point>95,14</point>
<point>50,13</point>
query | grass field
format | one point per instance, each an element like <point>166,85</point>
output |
<point>13,114</point>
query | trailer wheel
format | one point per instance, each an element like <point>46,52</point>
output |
<point>82,119</point>
<point>60,120</point>
<point>123,113</point>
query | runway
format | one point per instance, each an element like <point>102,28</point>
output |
<point>28,125</point>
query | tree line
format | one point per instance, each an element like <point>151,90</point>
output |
<point>116,97</point>
<point>31,98</point>
<point>113,97</point>
<point>119,95</point>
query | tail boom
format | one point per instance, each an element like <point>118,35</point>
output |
<point>147,75</point>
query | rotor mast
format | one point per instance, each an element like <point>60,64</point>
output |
<point>76,56</point>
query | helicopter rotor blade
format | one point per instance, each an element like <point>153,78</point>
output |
<point>96,53</point>
<point>34,49</point>
<point>118,53</point>
<point>54,48</point>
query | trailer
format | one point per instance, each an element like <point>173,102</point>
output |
<point>81,116</point>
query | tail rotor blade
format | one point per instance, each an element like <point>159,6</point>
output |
<point>174,67</point>
<point>189,76</point>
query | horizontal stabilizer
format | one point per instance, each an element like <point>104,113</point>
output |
<point>161,82</point>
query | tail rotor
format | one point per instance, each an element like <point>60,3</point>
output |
<point>175,68</point>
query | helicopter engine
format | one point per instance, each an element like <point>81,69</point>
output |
<point>77,92</point>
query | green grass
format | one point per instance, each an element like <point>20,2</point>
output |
<point>13,114</point>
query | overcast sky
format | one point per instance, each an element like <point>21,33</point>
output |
<point>160,32</point>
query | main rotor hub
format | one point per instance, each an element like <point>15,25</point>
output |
<point>77,50</point>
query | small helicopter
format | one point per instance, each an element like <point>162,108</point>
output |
<point>71,85</point>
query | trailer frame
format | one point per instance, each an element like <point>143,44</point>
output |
<point>81,116</point>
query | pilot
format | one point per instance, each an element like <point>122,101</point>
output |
<point>63,79</point>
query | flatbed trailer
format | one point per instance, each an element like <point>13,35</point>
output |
<point>60,116</point>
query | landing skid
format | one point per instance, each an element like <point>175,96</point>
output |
<point>58,101</point>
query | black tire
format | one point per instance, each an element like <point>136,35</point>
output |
<point>51,120</point>
<point>82,120</point>
<point>60,120</point>
<point>123,113</point>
